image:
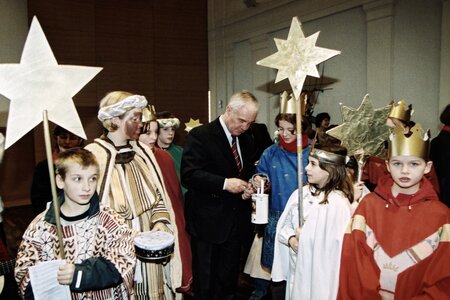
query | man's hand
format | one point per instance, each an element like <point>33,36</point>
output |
<point>65,273</point>
<point>236,185</point>
<point>248,192</point>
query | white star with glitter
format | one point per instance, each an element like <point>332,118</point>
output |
<point>297,57</point>
<point>38,83</point>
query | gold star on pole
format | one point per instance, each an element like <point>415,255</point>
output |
<point>297,57</point>
<point>363,129</point>
<point>192,124</point>
<point>38,83</point>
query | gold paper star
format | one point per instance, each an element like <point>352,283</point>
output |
<point>192,124</point>
<point>38,83</point>
<point>363,129</point>
<point>297,57</point>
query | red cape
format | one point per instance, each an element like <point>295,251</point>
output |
<point>398,223</point>
<point>165,161</point>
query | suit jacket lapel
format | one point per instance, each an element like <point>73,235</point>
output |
<point>223,143</point>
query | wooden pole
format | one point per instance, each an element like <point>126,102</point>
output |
<point>51,171</point>
<point>298,118</point>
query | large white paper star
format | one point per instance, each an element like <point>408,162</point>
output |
<point>38,83</point>
<point>297,57</point>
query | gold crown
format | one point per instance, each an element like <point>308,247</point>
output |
<point>401,111</point>
<point>328,157</point>
<point>287,106</point>
<point>148,114</point>
<point>415,142</point>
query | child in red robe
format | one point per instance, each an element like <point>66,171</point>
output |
<point>398,243</point>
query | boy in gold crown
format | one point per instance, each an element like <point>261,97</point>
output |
<point>375,168</point>
<point>398,243</point>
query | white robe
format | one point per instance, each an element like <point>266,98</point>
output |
<point>317,263</point>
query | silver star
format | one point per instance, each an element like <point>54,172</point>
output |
<point>38,83</point>
<point>297,57</point>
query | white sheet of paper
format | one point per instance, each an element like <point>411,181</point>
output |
<point>44,282</point>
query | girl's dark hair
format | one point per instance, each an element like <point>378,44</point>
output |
<point>338,179</point>
<point>320,117</point>
<point>291,118</point>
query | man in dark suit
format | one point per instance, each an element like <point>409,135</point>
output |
<point>217,208</point>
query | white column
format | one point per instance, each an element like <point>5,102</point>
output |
<point>261,78</point>
<point>379,16</point>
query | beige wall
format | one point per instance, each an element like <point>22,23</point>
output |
<point>391,49</point>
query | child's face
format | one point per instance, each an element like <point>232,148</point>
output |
<point>67,141</point>
<point>325,123</point>
<point>315,174</point>
<point>166,135</point>
<point>287,131</point>
<point>407,172</point>
<point>130,125</point>
<point>149,138</point>
<point>79,185</point>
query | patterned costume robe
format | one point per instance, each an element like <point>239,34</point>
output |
<point>104,235</point>
<point>398,247</point>
<point>130,182</point>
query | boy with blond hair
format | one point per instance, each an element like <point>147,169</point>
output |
<point>398,243</point>
<point>98,245</point>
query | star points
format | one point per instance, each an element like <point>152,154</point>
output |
<point>363,128</point>
<point>297,57</point>
<point>192,124</point>
<point>38,83</point>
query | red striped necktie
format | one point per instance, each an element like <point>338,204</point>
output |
<point>236,153</point>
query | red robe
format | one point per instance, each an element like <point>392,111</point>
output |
<point>173,187</point>
<point>414,227</point>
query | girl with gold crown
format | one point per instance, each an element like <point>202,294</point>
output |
<point>279,164</point>
<point>308,258</point>
<point>130,182</point>
<point>398,246</point>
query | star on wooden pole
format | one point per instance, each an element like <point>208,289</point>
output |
<point>38,83</point>
<point>363,128</point>
<point>192,124</point>
<point>41,90</point>
<point>297,57</point>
